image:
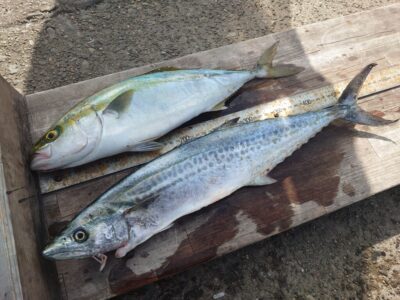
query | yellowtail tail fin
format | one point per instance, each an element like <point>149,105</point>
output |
<point>265,68</point>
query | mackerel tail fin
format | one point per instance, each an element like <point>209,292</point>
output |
<point>265,68</point>
<point>348,101</point>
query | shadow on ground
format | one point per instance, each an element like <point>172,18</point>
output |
<point>328,257</point>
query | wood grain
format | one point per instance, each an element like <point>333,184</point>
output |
<point>344,164</point>
<point>22,273</point>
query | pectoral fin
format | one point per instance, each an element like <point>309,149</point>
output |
<point>261,180</point>
<point>147,146</point>
<point>120,104</point>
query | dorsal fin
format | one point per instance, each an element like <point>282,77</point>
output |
<point>120,103</point>
<point>227,124</point>
<point>163,69</point>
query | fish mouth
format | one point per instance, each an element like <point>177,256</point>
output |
<point>40,159</point>
<point>54,252</point>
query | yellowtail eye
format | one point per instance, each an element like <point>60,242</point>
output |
<point>52,134</point>
<point>80,235</point>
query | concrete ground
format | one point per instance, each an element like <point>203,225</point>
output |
<point>351,254</point>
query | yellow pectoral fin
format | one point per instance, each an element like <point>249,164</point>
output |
<point>120,104</point>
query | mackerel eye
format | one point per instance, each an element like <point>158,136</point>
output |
<point>80,235</point>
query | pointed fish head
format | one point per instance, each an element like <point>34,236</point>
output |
<point>73,138</point>
<point>87,236</point>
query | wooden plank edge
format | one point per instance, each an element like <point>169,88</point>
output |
<point>20,203</point>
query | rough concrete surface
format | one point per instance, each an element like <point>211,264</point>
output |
<point>351,254</point>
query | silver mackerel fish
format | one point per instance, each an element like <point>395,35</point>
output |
<point>196,175</point>
<point>132,114</point>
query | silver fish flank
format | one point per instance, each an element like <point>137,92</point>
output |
<point>132,114</point>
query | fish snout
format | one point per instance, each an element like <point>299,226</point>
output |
<point>51,252</point>
<point>41,158</point>
<point>58,250</point>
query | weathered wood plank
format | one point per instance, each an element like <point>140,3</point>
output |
<point>343,165</point>
<point>10,285</point>
<point>22,273</point>
<point>329,51</point>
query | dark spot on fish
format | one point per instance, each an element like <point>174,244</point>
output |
<point>352,58</point>
<point>276,115</point>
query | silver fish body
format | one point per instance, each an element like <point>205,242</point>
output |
<point>160,103</point>
<point>196,175</point>
<point>132,114</point>
<point>207,170</point>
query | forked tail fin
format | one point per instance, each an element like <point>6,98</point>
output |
<point>265,69</point>
<point>348,102</point>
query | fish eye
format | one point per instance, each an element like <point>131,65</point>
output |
<point>80,235</point>
<point>53,134</point>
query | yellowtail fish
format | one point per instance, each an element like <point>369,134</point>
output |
<point>195,175</point>
<point>132,114</point>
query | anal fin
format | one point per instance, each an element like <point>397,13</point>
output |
<point>147,146</point>
<point>219,106</point>
<point>261,180</point>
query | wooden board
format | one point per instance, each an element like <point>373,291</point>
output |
<point>331,51</point>
<point>343,165</point>
<point>21,267</point>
